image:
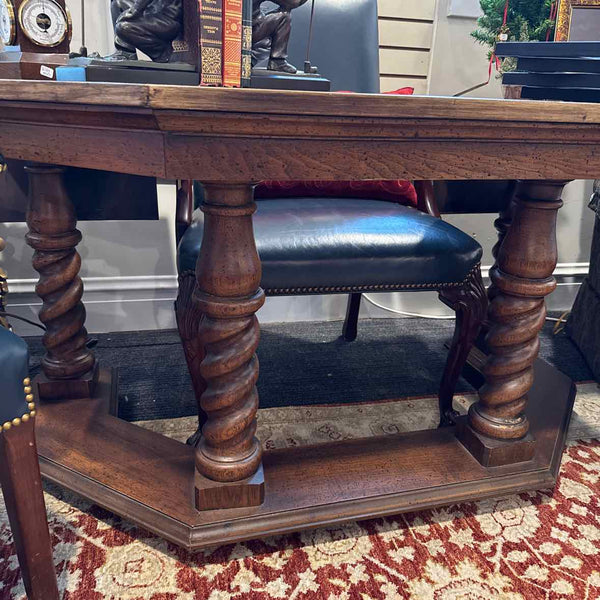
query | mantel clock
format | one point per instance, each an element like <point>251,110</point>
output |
<point>37,34</point>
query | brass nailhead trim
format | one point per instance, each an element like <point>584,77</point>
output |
<point>31,406</point>
<point>365,288</point>
<point>372,288</point>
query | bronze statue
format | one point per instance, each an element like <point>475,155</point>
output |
<point>274,28</point>
<point>146,25</point>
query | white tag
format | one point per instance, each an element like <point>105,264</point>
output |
<point>503,37</point>
<point>47,72</point>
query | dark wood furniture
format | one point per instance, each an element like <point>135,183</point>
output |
<point>338,249</point>
<point>346,48</point>
<point>513,437</point>
<point>311,246</point>
<point>584,325</point>
<point>20,471</point>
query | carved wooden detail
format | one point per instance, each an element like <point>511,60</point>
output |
<point>523,277</point>
<point>470,304</point>
<point>188,317</point>
<point>54,237</point>
<point>502,224</point>
<point>228,294</point>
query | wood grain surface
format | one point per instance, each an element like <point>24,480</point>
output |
<point>230,135</point>
<point>296,103</point>
<point>148,478</point>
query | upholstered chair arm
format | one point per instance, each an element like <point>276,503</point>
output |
<point>426,200</point>
<point>16,400</point>
<point>184,207</point>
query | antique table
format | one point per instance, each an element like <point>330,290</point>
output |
<point>512,439</point>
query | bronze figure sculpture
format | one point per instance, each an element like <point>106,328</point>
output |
<point>272,30</point>
<point>146,25</point>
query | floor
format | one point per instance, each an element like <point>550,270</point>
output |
<point>303,364</point>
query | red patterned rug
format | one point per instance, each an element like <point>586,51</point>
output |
<point>542,545</point>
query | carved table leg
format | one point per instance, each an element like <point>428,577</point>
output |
<point>228,456</point>
<point>69,367</point>
<point>189,318</point>
<point>502,225</point>
<point>497,429</point>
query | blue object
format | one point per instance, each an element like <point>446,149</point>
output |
<point>350,244</point>
<point>70,74</point>
<point>14,368</point>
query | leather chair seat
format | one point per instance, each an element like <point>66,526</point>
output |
<point>341,245</point>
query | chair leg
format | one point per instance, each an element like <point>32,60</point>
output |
<point>188,319</point>
<point>350,330</point>
<point>22,490</point>
<point>470,303</point>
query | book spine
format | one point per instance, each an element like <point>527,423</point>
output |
<point>211,42</point>
<point>232,43</point>
<point>247,43</point>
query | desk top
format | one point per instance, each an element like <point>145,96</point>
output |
<point>275,102</point>
<point>224,135</point>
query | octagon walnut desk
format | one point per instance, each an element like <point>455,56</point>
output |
<point>512,439</point>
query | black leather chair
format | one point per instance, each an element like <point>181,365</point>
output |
<point>348,245</point>
<point>20,471</point>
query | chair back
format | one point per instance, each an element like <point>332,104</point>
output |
<point>14,368</point>
<point>345,42</point>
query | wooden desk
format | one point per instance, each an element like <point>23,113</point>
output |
<point>229,139</point>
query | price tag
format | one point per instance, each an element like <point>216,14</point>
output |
<point>47,72</point>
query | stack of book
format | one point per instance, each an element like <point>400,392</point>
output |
<point>568,71</point>
<point>225,40</point>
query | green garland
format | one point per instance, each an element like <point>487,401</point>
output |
<point>527,20</point>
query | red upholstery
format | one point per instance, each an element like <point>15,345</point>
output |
<point>405,91</point>
<point>400,191</point>
<point>397,190</point>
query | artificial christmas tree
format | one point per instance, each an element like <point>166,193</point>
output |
<point>525,20</point>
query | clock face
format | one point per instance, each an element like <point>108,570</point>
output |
<point>7,22</point>
<point>44,22</point>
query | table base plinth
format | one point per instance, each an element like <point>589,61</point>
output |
<point>494,453</point>
<point>56,389</point>
<point>149,479</point>
<point>210,495</point>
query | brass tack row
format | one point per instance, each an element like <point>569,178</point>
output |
<point>364,288</point>
<point>371,288</point>
<point>31,406</point>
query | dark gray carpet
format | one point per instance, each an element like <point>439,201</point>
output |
<point>303,363</point>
